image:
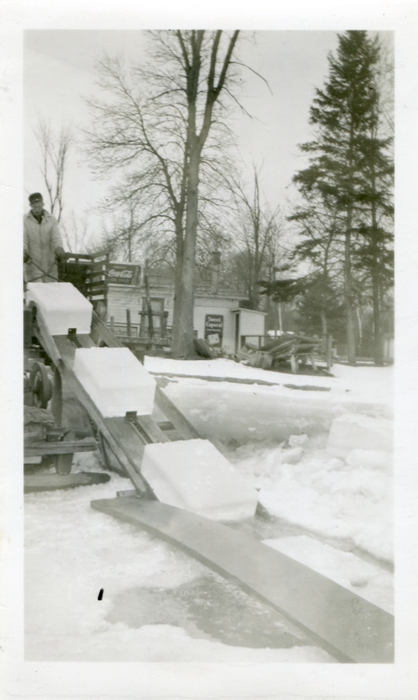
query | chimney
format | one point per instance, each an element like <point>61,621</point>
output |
<point>216,267</point>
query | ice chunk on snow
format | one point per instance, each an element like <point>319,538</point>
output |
<point>195,476</point>
<point>355,431</point>
<point>292,456</point>
<point>115,380</point>
<point>61,306</point>
<point>298,440</point>
<point>370,459</point>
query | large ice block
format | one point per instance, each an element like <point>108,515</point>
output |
<point>62,306</point>
<point>195,476</point>
<point>115,380</point>
<point>354,431</point>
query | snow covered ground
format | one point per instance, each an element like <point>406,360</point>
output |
<point>333,513</point>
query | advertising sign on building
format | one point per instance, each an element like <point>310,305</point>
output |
<point>214,328</point>
<point>123,273</point>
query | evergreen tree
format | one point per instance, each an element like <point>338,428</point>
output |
<point>345,115</point>
<point>375,258</point>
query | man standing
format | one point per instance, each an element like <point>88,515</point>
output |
<point>42,243</point>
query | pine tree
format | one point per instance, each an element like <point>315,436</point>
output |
<point>340,172</point>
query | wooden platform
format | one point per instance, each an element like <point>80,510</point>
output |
<point>348,627</point>
<point>53,482</point>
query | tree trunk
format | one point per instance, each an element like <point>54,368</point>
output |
<point>324,323</point>
<point>377,322</point>
<point>348,294</point>
<point>377,319</point>
<point>183,345</point>
<point>148,304</point>
<point>178,273</point>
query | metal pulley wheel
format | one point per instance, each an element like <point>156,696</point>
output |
<point>41,385</point>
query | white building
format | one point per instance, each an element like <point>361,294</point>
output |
<point>218,316</point>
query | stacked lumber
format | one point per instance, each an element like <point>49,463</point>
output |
<point>289,347</point>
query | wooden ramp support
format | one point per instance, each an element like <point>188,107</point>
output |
<point>348,627</point>
<point>52,482</point>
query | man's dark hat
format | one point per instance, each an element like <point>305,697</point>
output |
<point>35,197</point>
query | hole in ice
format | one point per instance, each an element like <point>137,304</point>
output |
<point>207,607</point>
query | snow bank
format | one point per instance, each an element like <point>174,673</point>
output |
<point>360,384</point>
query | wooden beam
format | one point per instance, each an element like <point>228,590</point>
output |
<point>52,482</point>
<point>41,447</point>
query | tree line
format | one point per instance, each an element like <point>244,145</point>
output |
<point>164,134</point>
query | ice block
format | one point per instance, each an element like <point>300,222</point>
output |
<point>62,306</point>
<point>354,431</point>
<point>115,380</point>
<point>195,476</point>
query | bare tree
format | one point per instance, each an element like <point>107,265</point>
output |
<point>161,126</point>
<point>256,230</point>
<point>54,150</point>
<point>75,232</point>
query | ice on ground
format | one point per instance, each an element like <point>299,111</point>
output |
<point>158,643</point>
<point>331,498</point>
<point>298,440</point>
<point>345,500</point>
<point>73,551</point>
<point>362,578</point>
<point>62,306</point>
<point>362,384</point>
<point>194,475</point>
<point>292,456</point>
<point>242,412</point>
<point>355,431</point>
<point>115,380</point>
<point>370,459</point>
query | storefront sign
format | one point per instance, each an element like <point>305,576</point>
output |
<point>214,328</point>
<point>123,273</point>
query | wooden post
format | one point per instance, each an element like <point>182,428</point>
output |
<point>112,324</point>
<point>148,303</point>
<point>128,322</point>
<point>329,351</point>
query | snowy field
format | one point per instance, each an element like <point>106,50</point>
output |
<point>333,513</point>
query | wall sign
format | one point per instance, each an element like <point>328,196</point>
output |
<point>214,329</point>
<point>123,273</point>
